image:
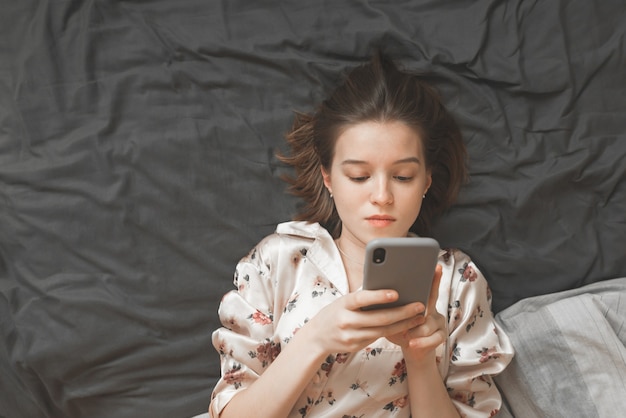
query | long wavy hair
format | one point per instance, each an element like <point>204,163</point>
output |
<point>376,91</point>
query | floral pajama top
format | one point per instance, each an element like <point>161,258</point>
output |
<point>292,274</point>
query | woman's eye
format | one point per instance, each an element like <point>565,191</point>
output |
<point>359,179</point>
<point>403,178</point>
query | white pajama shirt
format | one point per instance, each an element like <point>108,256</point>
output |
<point>294,273</point>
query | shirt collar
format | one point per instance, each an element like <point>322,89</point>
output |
<point>323,252</point>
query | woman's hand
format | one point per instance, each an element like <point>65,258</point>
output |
<point>343,327</point>
<point>419,343</point>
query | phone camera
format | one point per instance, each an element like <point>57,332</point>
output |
<point>379,255</point>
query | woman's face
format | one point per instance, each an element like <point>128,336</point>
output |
<point>377,177</point>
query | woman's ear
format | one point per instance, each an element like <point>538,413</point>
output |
<point>429,181</point>
<point>326,177</point>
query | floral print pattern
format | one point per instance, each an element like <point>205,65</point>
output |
<point>399,373</point>
<point>468,273</point>
<point>260,318</point>
<point>292,274</point>
<point>265,352</point>
<point>397,404</point>
<point>234,376</point>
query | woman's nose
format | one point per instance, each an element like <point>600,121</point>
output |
<point>381,195</point>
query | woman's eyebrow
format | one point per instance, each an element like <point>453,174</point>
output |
<point>408,160</point>
<point>361,162</point>
<point>353,162</point>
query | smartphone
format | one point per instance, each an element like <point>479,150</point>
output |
<point>406,265</point>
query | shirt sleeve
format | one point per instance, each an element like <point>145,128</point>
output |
<point>245,342</point>
<point>478,348</point>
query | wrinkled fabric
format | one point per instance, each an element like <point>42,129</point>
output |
<point>137,143</point>
<point>293,274</point>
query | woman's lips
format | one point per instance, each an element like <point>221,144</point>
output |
<point>380,221</point>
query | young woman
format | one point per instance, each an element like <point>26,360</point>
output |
<point>380,158</point>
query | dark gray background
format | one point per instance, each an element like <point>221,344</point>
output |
<point>137,166</point>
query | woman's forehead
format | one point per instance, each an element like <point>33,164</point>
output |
<point>379,138</point>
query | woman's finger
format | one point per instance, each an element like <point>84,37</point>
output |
<point>431,341</point>
<point>434,291</point>
<point>363,298</point>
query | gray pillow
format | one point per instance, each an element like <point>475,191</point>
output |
<point>570,355</point>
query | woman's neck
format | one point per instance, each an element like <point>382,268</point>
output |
<point>353,265</point>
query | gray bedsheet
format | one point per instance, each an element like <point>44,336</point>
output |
<point>137,143</point>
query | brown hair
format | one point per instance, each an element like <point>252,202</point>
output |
<point>376,91</point>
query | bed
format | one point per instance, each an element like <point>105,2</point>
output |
<point>137,165</point>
